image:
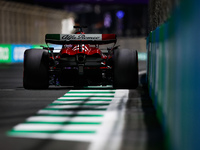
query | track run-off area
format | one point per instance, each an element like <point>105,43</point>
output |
<point>79,115</point>
<point>93,118</point>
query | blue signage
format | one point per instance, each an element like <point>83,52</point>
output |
<point>18,52</point>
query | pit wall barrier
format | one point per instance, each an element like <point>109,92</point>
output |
<point>12,53</point>
<point>174,76</point>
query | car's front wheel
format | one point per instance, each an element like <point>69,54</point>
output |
<point>36,69</point>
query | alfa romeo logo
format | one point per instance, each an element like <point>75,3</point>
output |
<point>68,37</point>
<point>81,36</point>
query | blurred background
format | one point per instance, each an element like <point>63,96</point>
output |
<point>23,24</point>
<point>27,22</point>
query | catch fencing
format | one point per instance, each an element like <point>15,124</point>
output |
<point>28,24</point>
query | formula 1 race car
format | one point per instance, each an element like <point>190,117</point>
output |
<point>80,62</point>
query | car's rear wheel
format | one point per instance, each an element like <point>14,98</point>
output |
<point>125,69</point>
<point>36,69</point>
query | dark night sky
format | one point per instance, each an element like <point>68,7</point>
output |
<point>92,13</point>
<point>61,3</point>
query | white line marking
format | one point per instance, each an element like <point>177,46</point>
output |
<point>101,86</point>
<point>7,90</point>
<point>79,102</point>
<point>71,112</point>
<point>92,91</point>
<point>88,94</point>
<point>142,72</point>
<point>59,136</point>
<point>75,107</point>
<point>113,121</point>
<point>87,98</point>
<point>63,119</point>
<point>52,127</point>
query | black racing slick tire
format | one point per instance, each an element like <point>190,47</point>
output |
<point>36,69</point>
<point>125,69</point>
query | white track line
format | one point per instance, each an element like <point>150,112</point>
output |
<point>142,72</point>
<point>87,98</point>
<point>55,127</point>
<point>63,119</point>
<point>113,122</point>
<point>92,91</point>
<point>79,102</point>
<point>88,94</point>
<point>74,107</point>
<point>59,136</point>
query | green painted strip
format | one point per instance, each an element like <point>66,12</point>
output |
<point>50,132</point>
<point>52,36</point>
<point>63,123</point>
<point>76,109</point>
<point>89,96</point>
<point>73,115</point>
<point>97,92</point>
<point>106,100</point>
<point>82,104</point>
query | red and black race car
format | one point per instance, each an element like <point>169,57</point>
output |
<point>80,62</point>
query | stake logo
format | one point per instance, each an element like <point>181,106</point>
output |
<point>19,53</point>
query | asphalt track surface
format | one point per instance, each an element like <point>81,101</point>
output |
<point>129,121</point>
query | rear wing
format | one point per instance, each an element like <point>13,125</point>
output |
<point>80,38</point>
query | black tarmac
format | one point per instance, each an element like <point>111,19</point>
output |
<point>142,130</point>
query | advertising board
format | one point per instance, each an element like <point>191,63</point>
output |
<point>5,53</point>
